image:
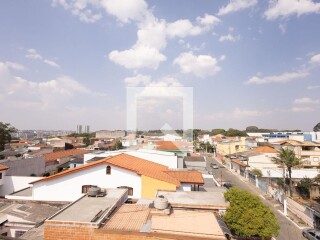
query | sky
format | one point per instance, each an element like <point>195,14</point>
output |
<point>247,62</point>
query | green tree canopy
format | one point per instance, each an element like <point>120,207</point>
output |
<point>247,216</point>
<point>235,132</point>
<point>317,127</point>
<point>5,134</point>
<point>252,129</point>
<point>217,131</point>
<point>287,158</point>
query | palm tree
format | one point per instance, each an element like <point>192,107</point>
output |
<point>287,158</point>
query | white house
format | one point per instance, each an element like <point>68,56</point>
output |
<point>142,178</point>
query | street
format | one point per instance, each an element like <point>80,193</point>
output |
<point>288,231</point>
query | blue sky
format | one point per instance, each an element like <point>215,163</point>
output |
<point>249,62</point>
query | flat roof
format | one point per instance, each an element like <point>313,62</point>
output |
<point>212,200</point>
<point>26,192</point>
<point>87,208</point>
<point>129,217</point>
<point>188,223</point>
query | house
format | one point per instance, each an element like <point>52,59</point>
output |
<point>231,145</point>
<point>55,159</point>
<point>108,217</point>
<point>308,152</point>
<point>180,148</point>
<point>19,217</point>
<point>142,178</point>
<point>102,134</point>
<point>196,163</point>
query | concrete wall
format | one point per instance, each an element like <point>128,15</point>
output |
<point>15,183</point>
<point>25,167</point>
<point>69,187</point>
<point>301,211</point>
<point>150,186</point>
<point>262,161</point>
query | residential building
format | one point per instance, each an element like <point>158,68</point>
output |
<point>110,134</point>
<point>141,177</point>
<point>231,145</point>
<point>108,218</point>
<point>79,129</point>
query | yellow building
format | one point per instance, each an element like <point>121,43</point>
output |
<point>231,145</point>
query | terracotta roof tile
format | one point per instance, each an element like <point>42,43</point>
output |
<point>265,149</point>
<point>139,166</point>
<point>241,163</point>
<point>50,157</point>
<point>142,167</point>
<point>187,176</point>
<point>170,145</point>
<point>129,217</point>
<point>3,167</point>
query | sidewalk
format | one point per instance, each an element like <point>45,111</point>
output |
<point>277,205</point>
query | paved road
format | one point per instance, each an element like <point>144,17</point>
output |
<point>288,231</point>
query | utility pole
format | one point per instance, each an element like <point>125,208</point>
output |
<point>284,191</point>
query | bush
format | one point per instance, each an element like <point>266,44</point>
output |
<point>247,216</point>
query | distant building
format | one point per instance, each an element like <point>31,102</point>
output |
<point>110,134</point>
<point>87,129</point>
<point>79,128</point>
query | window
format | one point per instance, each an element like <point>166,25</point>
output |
<point>108,170</point>
<point>85,188</point>
<point>18,233</point>
<point>130,190</point>
<point>1,175</point>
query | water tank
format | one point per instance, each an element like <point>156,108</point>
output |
<point>94,191</point>
<point>161,202</point>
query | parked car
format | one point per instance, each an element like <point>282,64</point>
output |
<point>311,234</point>
<point>227,185</point>
<point>214,166</point>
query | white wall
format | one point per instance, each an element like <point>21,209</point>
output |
<point>168,159</point>
<point>15,183</point>
<point>185,187</point>
<point>69,187</point>
<point>262,161</point>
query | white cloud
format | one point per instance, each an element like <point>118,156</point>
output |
<point>285,8</point>
<point>283,28</point>
<point>85,10</point>
<point>51,63</point>
<point>302,109</point>
<point>13,66</point>
<point>33,54</point>
<point>306,100</point>
<point>236,5</point>
<point>222,57</point>
<point>138,57</point>
<point>200,66</point>
<point>126,10</point>
<point>184,27</point>
<point>315,59</point>
<point>137,80</point>
<point>229,37</point>
<point>244,113</point>
<point>282,78</point>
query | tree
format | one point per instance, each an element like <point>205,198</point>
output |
<point>317,128</point>
<point>217,131</point>
<point>252,129</point>
<point>257,172</point>
<point>287,158</point>
<point>5,134</point>
<point>303,187</point>
<point>235,132</point>
<point>247,216</point>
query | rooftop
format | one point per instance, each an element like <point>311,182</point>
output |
<point>86,209</point>
<point>3,167</point>
<point>129,217</point>
<point>49,157</point>
<point>265,149</point>
<point>188,223</point>
<point>212,200</point>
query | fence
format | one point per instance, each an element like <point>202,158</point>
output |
<point>301,211</point>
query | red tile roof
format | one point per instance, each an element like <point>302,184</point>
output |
<point>139,166</point>
<point>187,176</point>
<point>241,163</point>
<point>50,157</point>
<point>265,149</point>
<point>3,167</point>
<point>169,145</point>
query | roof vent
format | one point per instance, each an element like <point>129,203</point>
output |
<point>94,191</point>
<point>161,202</point>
